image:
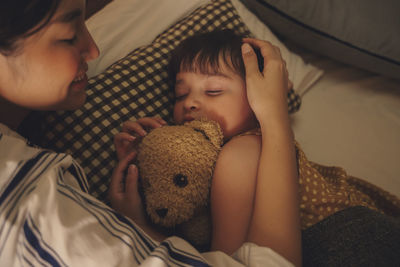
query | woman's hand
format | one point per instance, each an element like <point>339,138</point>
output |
<point>266,90</point>
<point>126,141</point>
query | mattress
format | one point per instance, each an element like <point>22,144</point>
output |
<point>351,118</point>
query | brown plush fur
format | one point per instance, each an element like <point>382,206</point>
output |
<point>176,164</point>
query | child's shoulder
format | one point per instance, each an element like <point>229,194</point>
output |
<point>239,156</point>
<point>241,147</point>
<point>249,139</point>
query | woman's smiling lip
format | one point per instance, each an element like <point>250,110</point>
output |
<point>79,77</point>
<point>79,82</point>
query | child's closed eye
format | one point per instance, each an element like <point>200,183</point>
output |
<point>214,92</point>
<point>180,97</point>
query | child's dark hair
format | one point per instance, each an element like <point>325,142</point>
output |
<point>202,53</point>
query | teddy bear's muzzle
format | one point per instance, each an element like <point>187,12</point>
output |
<point>162,212</point>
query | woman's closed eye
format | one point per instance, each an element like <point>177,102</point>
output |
<point>72,40</point>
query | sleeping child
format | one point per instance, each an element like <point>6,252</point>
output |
<point>254,172</point>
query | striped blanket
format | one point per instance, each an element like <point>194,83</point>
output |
<point>47,218</point>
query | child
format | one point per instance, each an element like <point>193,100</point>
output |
<point>254,194</point>
<point>243,207</point>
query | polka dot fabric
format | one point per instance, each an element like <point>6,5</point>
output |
<point>325,190</point>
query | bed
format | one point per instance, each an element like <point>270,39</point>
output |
<point>348,117</point>
<point>346,104</point>
<point>344,110</point>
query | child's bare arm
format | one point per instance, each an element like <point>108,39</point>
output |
<point>275,221</point>
<point>232,192</point>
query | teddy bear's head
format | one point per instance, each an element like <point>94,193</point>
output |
<point>176,165</point>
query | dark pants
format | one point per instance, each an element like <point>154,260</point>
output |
<point>356,236</point>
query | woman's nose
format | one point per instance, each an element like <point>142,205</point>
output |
<point>90,50</point>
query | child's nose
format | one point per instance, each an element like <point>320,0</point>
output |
<point>192,103</point>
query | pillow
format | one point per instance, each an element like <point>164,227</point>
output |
<point>363,33</point>
<point>133,87</point>
<point>93,6</point>
<point>123,25</point>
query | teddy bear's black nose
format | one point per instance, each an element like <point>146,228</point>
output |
<point>162,212</point>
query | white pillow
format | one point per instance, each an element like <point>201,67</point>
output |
<point>124,25</point>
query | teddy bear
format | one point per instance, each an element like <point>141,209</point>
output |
<point>176,164</point>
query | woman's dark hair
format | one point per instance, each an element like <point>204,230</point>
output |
<point>20,19</point>
<point>203,52</point>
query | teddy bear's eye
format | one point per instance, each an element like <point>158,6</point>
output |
<point>180,180</point>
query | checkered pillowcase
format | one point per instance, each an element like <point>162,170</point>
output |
<point>134,87</point>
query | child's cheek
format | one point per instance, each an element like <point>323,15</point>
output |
<point>178,115</point>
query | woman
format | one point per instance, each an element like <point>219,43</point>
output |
<point>46,215</point>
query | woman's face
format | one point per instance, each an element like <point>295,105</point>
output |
<point>49,72</point>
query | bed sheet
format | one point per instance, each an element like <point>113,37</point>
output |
<point>351,118</point>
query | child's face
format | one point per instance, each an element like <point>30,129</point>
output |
<point>220,97</point>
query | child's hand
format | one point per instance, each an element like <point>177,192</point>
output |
<point>126,141</point>
<point>266,91</point>
<point>124,196</point>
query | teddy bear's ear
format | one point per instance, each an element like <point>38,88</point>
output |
<point>210,129</point>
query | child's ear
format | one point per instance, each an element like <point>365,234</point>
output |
<point>210,129</point>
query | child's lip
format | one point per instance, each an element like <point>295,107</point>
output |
<point>188,118</point>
